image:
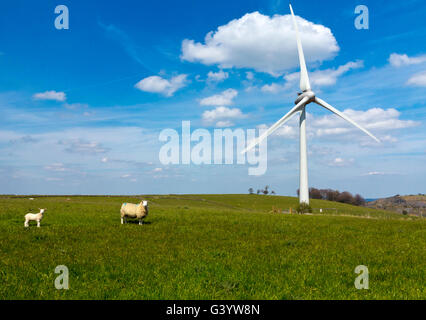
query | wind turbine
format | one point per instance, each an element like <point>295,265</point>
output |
<point>307,96</point>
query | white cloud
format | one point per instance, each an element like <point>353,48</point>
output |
<point>266,44</point>
<point>373,119</point>
<point>418,80</point>
<point>375,173</point>
<point>341,162</point>
<point>157,84</point>
<point>380,173</point>
<point>50,95</point>
<point>287,131</point>
<point>224,124</point>
<point>158,169</point>
<point>317,78</point>
<point>76,106</point>
<point>217,76</point>
<point>272,88</point>
<point>223,99</point>
<point>325,77</point>
<point>398,60</point>
<point>223,116</point>
<point>249,75</point>
<point>379,121</point>
<point>83,147</point>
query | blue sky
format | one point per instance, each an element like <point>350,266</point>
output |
<point>82,109</point>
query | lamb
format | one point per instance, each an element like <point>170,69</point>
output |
<point>130,210</point>
<point>34,217</point>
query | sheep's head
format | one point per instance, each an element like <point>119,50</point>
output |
<point>145,203</point>
<point>42,210</point>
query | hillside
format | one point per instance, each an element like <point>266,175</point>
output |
<point>411,204</point>
<point>208,247</point>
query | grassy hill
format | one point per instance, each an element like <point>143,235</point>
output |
<point>209,247</point>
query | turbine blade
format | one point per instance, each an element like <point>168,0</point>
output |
<point>276,125</point>
<point>304,79</point>
<point>340,114</point>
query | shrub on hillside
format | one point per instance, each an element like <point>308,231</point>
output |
<point>303,208</point>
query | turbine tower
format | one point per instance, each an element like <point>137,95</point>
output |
<point>307,96</point>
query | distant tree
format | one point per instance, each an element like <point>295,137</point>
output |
<point>332,195</point>
<point>314,193</point>
<point>359,200</point>
<point>266,191</point>
<point>323,194</point>
<point>345,197</point>
<point>273,192</point>
<point>258,191</point>
<point>251,191</point>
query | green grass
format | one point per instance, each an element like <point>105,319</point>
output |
<point>208,247</point>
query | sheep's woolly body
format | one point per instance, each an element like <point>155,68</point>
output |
<point>34,217</point>
<point>135,211</point>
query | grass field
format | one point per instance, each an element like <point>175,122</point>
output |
<point>208,247</point>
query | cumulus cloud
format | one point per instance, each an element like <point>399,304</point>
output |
<point>318,78</point>
<point>222,116</point>
<point>325,77</point>
<point>399,60</point>
<point>50,95</point>
<point>373,119</point>
<point>380,121</point>
<point>157,84</point>
<point>272,88</point>
<point>418,80</point>
<point>266,44</point>
<point>222,99</point>
<point>287,131</point>
<point>217,76</point>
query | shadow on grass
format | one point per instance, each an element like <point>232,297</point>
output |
<point>137,222</point>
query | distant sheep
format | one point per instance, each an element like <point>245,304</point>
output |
<point>34,217</point>
<point>134,211</point>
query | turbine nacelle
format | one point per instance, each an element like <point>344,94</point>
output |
<point>308,94</point>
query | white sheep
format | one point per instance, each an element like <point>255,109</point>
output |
<point>130,210</point>
<point>34,217</point>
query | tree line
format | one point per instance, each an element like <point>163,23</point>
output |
<point>335,195</point>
